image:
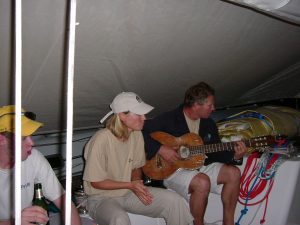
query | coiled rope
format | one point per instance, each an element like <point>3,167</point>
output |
<point>257,181</point>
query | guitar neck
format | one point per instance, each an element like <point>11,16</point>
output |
<point>218,147</point>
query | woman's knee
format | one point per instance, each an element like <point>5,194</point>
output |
<point>108,212</point>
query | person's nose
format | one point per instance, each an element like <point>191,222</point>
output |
<point>213,108</point>
<point>29,141</point>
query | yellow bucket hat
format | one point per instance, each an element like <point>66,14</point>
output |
<point>7,121</point>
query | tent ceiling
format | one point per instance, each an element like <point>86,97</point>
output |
<point>156,48</point>
<point>287,10</point>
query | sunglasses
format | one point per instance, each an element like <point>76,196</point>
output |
<point>29,115</point>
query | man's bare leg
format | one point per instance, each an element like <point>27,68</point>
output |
<point>199,190</point>
<point>229,176</point>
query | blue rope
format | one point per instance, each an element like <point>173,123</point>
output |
<point>260,174</point>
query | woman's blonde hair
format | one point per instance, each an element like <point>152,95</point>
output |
<point>117,127</point>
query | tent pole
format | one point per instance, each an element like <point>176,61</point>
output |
<point>70,73</point>
<point>18,105</point>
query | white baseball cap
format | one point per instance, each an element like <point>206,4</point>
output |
<point>128,101</point>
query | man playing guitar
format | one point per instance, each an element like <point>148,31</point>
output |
<point>218,174</point>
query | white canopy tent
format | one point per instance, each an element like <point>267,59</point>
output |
<point>155,48</point>
<point>287,10</point>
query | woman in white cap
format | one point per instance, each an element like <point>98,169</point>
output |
<point>113,177</point>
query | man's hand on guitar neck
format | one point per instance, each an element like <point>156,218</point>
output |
<point>240,150</point>
<point>169,154</point>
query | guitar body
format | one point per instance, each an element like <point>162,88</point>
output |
<point>157,168</point>
<point>192,152</point>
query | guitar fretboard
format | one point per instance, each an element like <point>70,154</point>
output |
<point>218,147</point>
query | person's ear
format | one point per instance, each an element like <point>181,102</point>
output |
<point>122,116</point>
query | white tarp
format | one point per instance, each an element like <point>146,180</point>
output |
<point>156,48</point>
<point>288,10</point>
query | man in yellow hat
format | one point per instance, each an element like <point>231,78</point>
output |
<point>34,169</point>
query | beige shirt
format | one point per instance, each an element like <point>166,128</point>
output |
<point>107,157</point>
<point>193,125</point>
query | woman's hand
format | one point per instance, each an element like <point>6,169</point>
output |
<point>141,191</point>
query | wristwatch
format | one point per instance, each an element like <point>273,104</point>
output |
<point>237,161</point>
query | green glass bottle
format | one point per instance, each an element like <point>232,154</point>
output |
<point>39,199</point>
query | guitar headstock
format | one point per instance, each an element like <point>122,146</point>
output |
<point>275,144</point>
<point>269,141</point>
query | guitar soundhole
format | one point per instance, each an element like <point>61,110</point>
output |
<point>184,152</point>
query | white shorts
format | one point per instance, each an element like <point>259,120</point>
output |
<point>181,179</point>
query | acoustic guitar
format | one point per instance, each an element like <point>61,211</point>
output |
<point>192,152</point>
